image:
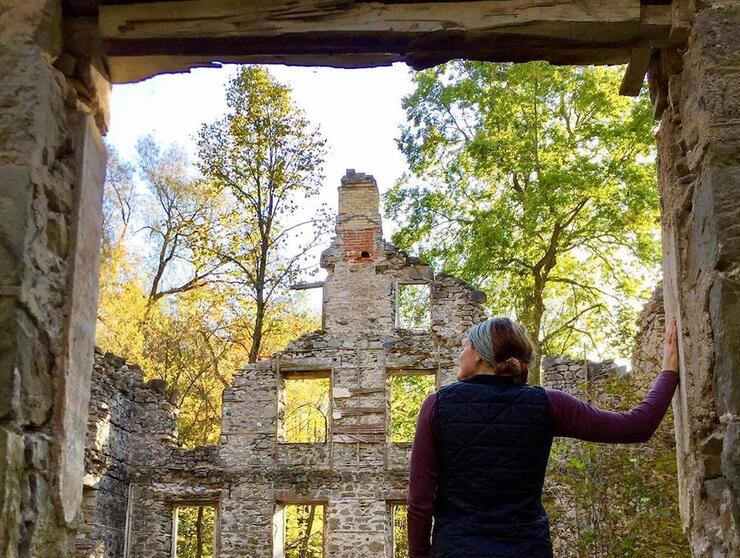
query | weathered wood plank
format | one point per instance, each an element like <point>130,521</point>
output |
<point>359,411</point>
<point>305,285</point>
<point>369,391</point>
<point>235,18</point>
<point>634,75</point>
<point>411,371</point>
<point>306,374</point>
<point>148,38</point>
<point>359,429</point>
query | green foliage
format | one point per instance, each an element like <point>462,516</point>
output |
<point>196,526</point>
<point>400,532</point>
<point>306,413</point>
<point>617,500</point>
<point>414,307</point>
<point>408,392</point>
<point>304,531</point>
<point>535,183</point>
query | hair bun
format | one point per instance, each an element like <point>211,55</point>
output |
<point>512,367</point>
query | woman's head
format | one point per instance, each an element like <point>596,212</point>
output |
<point>499,346</point>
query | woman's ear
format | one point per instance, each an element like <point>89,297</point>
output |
<point>478,358</point>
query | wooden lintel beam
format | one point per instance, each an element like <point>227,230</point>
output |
<point>300,18</point>
<point>634,75</point>
<point>149,38</point>
<point>306,286</point>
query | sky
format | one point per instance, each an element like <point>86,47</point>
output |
<point>358,111</point>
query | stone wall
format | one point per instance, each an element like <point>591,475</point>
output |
<point>134,470</point>
<point>359,473</point>
<point>647,354</point>
<point>52,164</point>
<point>697,98</point>
<point>54,108</point>
<point>573,375</point>
<point>130,426</point>
<point>137,475</point>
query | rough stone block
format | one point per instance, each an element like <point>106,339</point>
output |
<point>15,207</point>
<point>11,471</point>
<point>724,309</point>
<point>37,22</point>
<point>77,359</point>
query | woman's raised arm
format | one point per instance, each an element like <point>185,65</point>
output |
<point>573,418</point>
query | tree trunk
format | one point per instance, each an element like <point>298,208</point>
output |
<point>254,349</point>
<point>530,316</point>
<point>199,534</point>
<point>309,527</point>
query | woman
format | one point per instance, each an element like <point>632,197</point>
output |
<point>482,444</point>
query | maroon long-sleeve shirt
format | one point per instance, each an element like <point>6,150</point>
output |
<point>571,418</point>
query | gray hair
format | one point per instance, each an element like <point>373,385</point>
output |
<point>482,340</point>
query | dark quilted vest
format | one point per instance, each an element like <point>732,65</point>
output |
<point>493,439</point>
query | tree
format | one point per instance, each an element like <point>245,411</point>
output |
<point>207,292</point>
<point>304,531</point>
<point>265,154</point>
<point>537,184</point>
<point>184,213</point>
<point>118,200</point>
<point>196,526</point>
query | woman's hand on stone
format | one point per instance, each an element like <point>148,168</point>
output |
<point>670,350</point>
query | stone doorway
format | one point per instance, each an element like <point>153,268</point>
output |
<point>60,58</point>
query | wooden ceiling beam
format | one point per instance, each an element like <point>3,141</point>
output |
<point>149,38</point>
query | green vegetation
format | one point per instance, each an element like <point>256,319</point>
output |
<point>307,410</point>
<point>304,531</point>
<point>414,307</point>
<point>196,526</point>
<point>408,392</point>
<point>617,500</point>
<point>400,532</point>
<point>536,184</point>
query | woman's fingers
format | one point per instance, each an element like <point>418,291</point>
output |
<point>670,351</point>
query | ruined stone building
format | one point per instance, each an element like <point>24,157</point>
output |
<point>136,475</point>
<point>59,59</point>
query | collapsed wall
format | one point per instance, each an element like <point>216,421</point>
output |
<point>130,424</point>
<point>137,475</point>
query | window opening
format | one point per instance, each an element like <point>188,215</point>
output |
<point>305,405</point>
<point>195,531</point>
<point>298,531</point>
<point>408,390</point>
<point>400,542</point>
<point>413,306</point>
<point>312,301</point>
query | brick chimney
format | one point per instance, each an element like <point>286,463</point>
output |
<point>358,220</point>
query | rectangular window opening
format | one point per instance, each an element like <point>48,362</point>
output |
<point>195,531</point>
<point>298,530</point>
<point>413,307</point>
<point>400,545</point>
<point>310,302</point>
<point>408,390</point>
<point>304,408</point>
